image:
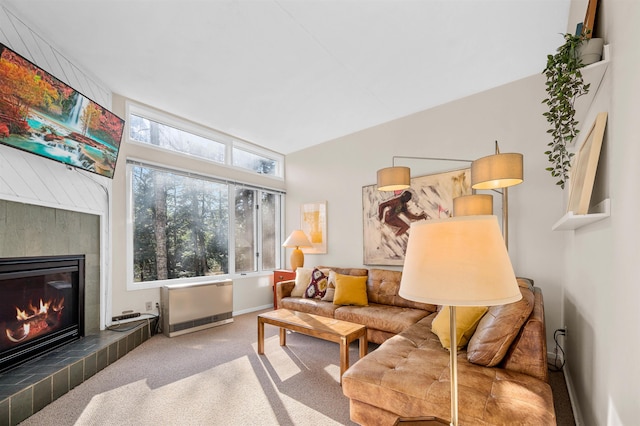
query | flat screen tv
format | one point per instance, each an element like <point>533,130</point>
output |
<point>42,115</point>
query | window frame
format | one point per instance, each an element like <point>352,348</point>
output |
<point>167,166</point>
<point>231,193</point>
<point>184,125</point>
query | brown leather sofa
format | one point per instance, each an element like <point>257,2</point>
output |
<point>502,373</point>
<point>387,314</point>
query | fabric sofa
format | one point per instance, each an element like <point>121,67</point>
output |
<point>502,371</point>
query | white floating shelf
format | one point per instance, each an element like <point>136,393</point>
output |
<point>571,221</point>
<point>592,74</point>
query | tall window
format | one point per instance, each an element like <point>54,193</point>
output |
<point>180,226</point>
<point>245,229</point>
<point>185,226</point>
<point>270,221</point>
<point>256,229</point>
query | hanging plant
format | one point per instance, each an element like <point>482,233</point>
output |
<point>564,85</point>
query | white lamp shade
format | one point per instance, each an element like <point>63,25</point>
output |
<point>297,239</point>
<point>460,261</point>
<point>394,178</point>
<point>497,171</point>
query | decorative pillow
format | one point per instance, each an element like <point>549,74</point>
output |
<point>497,330</point>
<point>303,278</point>
<point>350,290</point>
<point>467,319</point>
<point>331,287</point>
<point>317,286</point>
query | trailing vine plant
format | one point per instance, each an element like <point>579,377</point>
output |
<point>564,85</point>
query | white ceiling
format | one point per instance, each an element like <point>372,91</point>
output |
<point>289,74</point>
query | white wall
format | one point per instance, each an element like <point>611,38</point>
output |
<point>601,292</point>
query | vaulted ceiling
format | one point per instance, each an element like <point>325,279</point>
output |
<point>289,74</point>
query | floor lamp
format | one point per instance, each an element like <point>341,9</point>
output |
<point>397,178</point>
<point>495,172</point>
<point>459,261</point>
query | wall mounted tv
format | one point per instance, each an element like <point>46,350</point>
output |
<point>42,115</point>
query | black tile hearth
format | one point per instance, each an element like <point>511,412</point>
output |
<point>29,387</point>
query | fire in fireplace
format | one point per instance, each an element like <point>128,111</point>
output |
<point>41,305</point>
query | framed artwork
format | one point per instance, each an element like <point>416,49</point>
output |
<point>590,18</point>
<point>313,221</point>
<point>387,216</point>
<point>583,169</point>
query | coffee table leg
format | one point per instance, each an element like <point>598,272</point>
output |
<point>364,346</point>
<point>283,336</point>
<point>344,356</point>
<point>260,336</point>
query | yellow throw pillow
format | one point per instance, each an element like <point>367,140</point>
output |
<point>350,290</point>
<point>467,319</point>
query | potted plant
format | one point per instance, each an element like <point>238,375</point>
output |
<point>564,85</point>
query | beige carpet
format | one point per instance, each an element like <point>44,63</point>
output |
<point>213,377</point>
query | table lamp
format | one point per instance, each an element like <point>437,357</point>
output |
<point>297,239</point>
<point>459,261</point>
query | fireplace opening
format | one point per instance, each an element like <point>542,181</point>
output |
<point>41,306</point>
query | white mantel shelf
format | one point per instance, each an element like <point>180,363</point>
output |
<point>570,221</point>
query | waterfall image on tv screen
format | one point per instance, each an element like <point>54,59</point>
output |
<point>42,115</point>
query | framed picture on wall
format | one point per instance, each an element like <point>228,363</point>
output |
<point>313,221</point>
<point>387,216</point>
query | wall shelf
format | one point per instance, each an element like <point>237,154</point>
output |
<point>571,221</point>
<point>592,74</point>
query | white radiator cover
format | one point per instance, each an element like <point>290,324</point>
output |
<point>192,307</point>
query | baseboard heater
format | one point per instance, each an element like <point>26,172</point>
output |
<point>192,307</point>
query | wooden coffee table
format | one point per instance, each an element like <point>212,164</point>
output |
<point>330,329</point>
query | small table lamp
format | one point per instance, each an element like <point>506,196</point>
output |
<point>297,239</point>
<point>459,261</point>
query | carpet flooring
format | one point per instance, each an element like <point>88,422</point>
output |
<point>216,377</point>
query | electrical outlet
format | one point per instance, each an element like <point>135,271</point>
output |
<point>147,306</point>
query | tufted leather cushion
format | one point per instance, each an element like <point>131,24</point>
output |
<point>358,272</point>
<point>309,306</point>
<point>383,286</point>
<point>408,376</point>
<point>392,319</point>
<point>498,329</point>
<point>525,354</point>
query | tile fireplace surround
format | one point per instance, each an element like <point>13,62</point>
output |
<point>29,387</point>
